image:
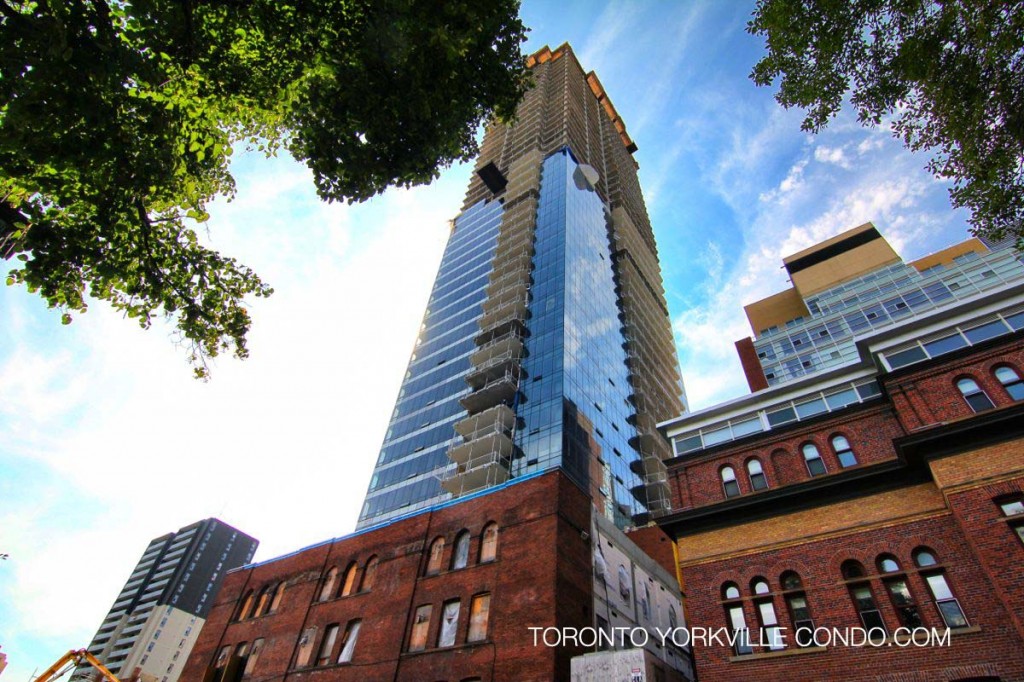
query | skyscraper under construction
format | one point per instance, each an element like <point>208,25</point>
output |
<point>546,342</point>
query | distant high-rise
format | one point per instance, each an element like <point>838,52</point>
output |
<point>149,631</point>
<point>546,341</point>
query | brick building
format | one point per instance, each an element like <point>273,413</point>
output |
<point>449,593</point>
<point>873,482</point>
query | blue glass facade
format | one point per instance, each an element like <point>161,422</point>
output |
<point>421,429</point>
<point>573,406</point>
<point>574,409</point>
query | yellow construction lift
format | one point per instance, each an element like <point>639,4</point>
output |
<point>73,659</point>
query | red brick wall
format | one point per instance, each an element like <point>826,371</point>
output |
<point>818,564</point>
<point>655,544</point>
<point>541,577</point>
<point>930,397</point>
<point>993,540</point>
<point>697,482</point>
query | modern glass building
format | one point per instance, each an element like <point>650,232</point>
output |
<point>855,285</point>
<point>546,342</point>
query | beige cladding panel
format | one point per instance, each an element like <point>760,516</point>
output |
<point>844,267</point>
<point>775,310</point>
<point>946,256</point>
<point>803,526</point>
<point>829,242</point>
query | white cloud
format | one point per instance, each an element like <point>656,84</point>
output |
<point>833,155</point>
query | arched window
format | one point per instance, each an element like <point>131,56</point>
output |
<point>460,556</point>
<point>327,589</point>
<point>844,453</point>
<point>799,611</point>
<point>945,601</point>
<point>349,585</point>
<point>790,580</point>
<point>278,594</point>
<point>730,590</point>
<point>489,543</point>
<point>852,569</point>
<point>924,557</point>
<point>436,554</point>
<point>887,563</point>
<point>729,484</point>
<point>976,398</point>
<point>756,474</point>
<point>815,465</point>
<point>759,586</point>
<point>369,574</point>
<point>1011,381</point>
<point>246,606</point>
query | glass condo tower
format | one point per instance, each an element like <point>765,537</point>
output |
<point>546,341</point>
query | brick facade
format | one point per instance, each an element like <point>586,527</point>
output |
<point>541,576</point>
<point>930,474</point>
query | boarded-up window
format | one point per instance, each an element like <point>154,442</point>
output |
<point>327,590</point>
<point>262,602</point>
<point>349,585</point>
<point>275,603</point>
<point>489,543</point>
<point>327,644</point>
<point>479,612</point>
<point>420,627</point>
<point>460,557</point>
<point>436,554</point>
<point>245,610</point>
<point>348,642</point>
<point>449,623</point>
<point>306,640</point>
<point>369,575</point>
<point>254,655</point>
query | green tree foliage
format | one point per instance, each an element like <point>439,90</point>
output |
<point>950,74</point>
<point>118,118</point>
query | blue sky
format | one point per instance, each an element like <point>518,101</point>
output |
<point>106,441</point>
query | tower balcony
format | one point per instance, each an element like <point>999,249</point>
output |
<point>510,261</point>
<point>510,293</point>
<point>496,444</point>
<point>509,343</point>
<point>499,417</point>
<point>644,442</point>
<point>476,474</point>
<point>515,241</point>
<point>499,390</point>
<point>510,278</point>
<point>515,309</point>
<point>494,367</point>
<point>513,325</point>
